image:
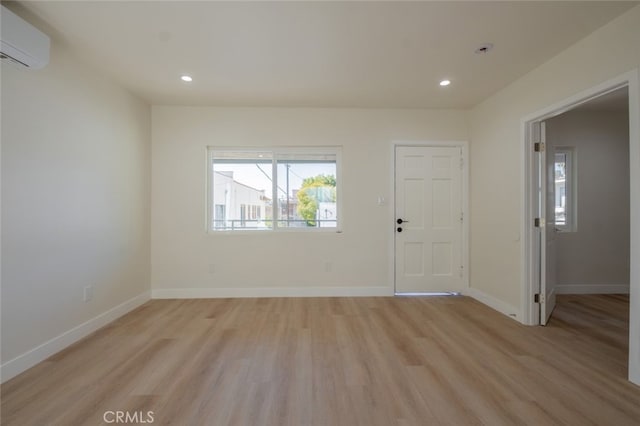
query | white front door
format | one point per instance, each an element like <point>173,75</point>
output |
<point>428,227</point>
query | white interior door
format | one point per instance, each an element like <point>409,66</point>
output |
<point>547,230</point>
<point>428,242</point>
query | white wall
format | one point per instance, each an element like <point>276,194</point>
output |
<point>595,258</point>
<point>496,147</point>
<point>75,204</point>
<point>497,158</point>
<point>186,261</point>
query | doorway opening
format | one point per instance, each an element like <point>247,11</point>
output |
<point>559,213</point>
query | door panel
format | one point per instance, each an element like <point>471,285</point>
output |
<point>549,291</point>
<point>442,216</point>
<point>414,205</point>
<point>429,202</point>
<point>547,232</point>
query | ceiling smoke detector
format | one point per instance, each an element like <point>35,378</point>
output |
<point>484,48</point>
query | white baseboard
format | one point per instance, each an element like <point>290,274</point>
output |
<point>592,289</point>
<point>38,354</point>
<point>213,293</point>
<point>496,304</point>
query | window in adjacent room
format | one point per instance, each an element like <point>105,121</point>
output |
<point>565,189</point>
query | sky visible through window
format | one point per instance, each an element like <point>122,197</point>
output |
<point>258,176</point>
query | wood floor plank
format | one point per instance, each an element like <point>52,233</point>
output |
<point>339,361</point>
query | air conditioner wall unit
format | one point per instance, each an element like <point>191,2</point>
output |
<point>22,43</point>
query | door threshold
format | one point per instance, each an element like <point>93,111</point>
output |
<point>430,293</point>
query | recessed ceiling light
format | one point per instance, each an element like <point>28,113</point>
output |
<point>186,78</point>
<point>445,83</point>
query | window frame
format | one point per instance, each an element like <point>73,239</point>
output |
<point>571,189</point>
<point>275,151</point>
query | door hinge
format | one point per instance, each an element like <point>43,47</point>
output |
<point>461,271</point>
<point>538,222</point>
<point>538,298</point>
<point>461,217</point>
<point>538,147</point>
<point>461,163</point>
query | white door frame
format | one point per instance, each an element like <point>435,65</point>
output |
<point>464,146</point>
<point>529,309</point>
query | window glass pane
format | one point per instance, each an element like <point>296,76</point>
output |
<point>560,177</point>
<point>242,190</point>
<point>307,194</point>
<point>292,188</point>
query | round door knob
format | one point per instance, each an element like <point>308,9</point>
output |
<point>399,229</point>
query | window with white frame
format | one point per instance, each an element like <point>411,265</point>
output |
<point>565,189</point>
<point>273,189</point>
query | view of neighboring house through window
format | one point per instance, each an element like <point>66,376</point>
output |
<point>283,188</point>
<point>564,189</point>
<point>241,184</point>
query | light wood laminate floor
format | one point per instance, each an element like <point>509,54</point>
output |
<point>339,361</point>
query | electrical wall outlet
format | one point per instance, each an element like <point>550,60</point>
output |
<point>88,293</point>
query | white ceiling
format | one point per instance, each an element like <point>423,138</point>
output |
<point>322,54</point>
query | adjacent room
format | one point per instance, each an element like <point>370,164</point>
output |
<point>320,212</point>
